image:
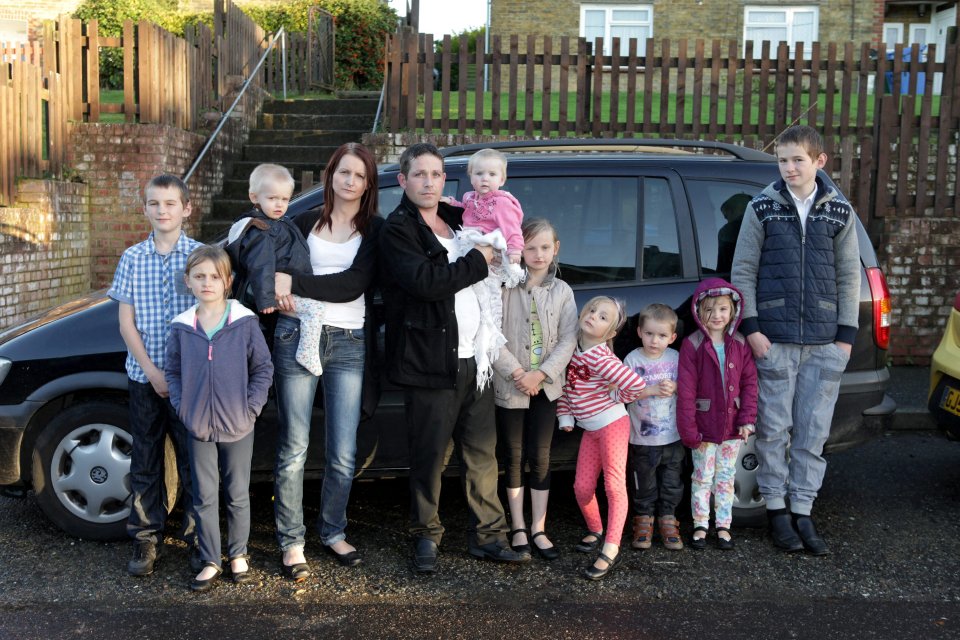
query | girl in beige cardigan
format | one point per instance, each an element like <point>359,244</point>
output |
<point>540,325</point>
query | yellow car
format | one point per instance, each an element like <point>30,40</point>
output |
<point>944,399</point>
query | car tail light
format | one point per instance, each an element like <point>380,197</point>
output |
<point>881,307</point>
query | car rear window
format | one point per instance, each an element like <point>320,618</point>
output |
<point>718,207</point>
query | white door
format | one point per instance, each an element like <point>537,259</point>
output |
<point>941,21</point>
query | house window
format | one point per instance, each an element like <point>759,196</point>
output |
<point>609,21</point>
<point>13,31</point>
<point>921,34</point>
<point>781,24</point>
<point>892,33</point>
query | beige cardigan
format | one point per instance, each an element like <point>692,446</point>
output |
<point>558,317</point>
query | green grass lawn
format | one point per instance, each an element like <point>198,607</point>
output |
<point>671,108</point>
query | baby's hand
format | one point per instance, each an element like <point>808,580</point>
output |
<point>268,310</point>
<point>567,429</point>
<point>514,258</point>
<point>446,199</point>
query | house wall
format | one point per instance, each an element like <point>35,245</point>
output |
<point>840,20</point>
<point>34,12</point>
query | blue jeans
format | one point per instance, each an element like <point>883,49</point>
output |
<point>799,385</point>
<point>342,356</point>
<point>152,418</point>
<point>210,461</point>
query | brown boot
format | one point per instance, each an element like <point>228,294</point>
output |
<point>642,532</point>
<point>670,533</point>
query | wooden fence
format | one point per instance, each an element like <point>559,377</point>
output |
<point>888,133</point>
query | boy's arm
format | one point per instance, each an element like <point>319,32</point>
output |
<point>846,250</point>
<point>131,338</point>
<point>172,370</point>
<point>259,258</point>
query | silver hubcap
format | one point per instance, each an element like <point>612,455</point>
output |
<point>90,473</point>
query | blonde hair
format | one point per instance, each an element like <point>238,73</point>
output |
<point>704,313</point>
<point>535,226</point>
<point>658,313</point>
<point>487,155</point>
<point>220,260</point>
<point>619,305</point>
<point>264,173</point>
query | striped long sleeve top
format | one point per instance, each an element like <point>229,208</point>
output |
<point>597,386</point>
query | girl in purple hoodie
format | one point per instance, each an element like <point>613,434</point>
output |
<point>716,404</point>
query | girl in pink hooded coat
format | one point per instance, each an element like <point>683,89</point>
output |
<point>716,404</point>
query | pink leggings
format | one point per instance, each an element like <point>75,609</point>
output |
<point>604,450</point>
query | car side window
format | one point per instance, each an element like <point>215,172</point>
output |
<point>390,196</point>
<point>596,219</point>
<point>661,247</point>
<point>718,208</point>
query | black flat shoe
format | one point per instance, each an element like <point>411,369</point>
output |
<point>349,559</point>
<point>781,530</point>
<point>424,556</point>
<point>296,572</point>
<point>813,542</point>
<point>240,577</point>
<point>204,585</point>
<point>724,544</point>
<point>520,548</point>
<point>549,553</point>
<point>593,573</point>
<point>589,546</point>
<point>499,552</point>
<point>699,544</point>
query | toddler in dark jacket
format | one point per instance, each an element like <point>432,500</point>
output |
<point>263,242</point>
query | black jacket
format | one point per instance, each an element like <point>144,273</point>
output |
<point>359,278</point>
<point>258,254</point>
<point>419,284</point>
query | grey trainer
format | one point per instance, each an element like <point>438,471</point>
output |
<point>145,557</point>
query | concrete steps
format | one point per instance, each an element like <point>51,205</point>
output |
<point>298,134</point>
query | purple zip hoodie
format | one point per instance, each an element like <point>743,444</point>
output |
<point>711,405</point>
<point>218,385</point>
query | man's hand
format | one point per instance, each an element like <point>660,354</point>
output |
<point>759,344</point>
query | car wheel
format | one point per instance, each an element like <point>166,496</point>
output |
<point>749,509</point>
<point>81,471</point>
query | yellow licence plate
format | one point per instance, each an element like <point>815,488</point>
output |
<point>951,401</point>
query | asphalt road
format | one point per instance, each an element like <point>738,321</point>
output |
<point>889,509</point>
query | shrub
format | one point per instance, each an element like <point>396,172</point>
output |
<point>471,36</point>
<point>361,30</point>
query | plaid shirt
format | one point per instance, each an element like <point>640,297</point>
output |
<point>153,284</point>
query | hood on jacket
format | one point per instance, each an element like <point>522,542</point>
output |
<point>237,311</point>
<point>711,288</point>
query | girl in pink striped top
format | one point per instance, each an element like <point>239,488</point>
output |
<point>596,389</point>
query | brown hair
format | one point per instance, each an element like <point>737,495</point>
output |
<point>414,151</point>
<point>220,260</point>
<point>165,180</point>
<point>368,201</point>
<point>534,227</point>
<point>658,313</point>
<point>803,136</point>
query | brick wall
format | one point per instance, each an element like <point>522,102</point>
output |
<point>117,160</point>
<point>840,20</point>
<point>34,12</point>
<point>44,248</point>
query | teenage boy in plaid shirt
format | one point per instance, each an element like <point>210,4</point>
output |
<point>150,288</point>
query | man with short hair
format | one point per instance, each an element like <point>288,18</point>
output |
<point>432,318</point>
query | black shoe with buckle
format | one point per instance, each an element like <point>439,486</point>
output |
<point>146,555</point>
<point>781,530</point>
<point>241,577</point>
<point>547,553</point>
<point>699,544</point>
<point>813,542</point>
<point>594,573</point>
<point>499,552</point>
<point>724,544</point>
<point>520,548</point>
<point>589,546</point>
<point>424,556</point>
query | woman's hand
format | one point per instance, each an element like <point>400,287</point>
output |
<point>282,285</point>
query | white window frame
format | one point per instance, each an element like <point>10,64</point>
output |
<point>608,22</point>
<point>898,27</point>
<point>921,25</point>
<point>791,11</point>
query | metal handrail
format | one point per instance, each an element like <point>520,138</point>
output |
<point>246,83</point>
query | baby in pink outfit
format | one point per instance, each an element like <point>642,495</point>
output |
<point>487,208</point>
